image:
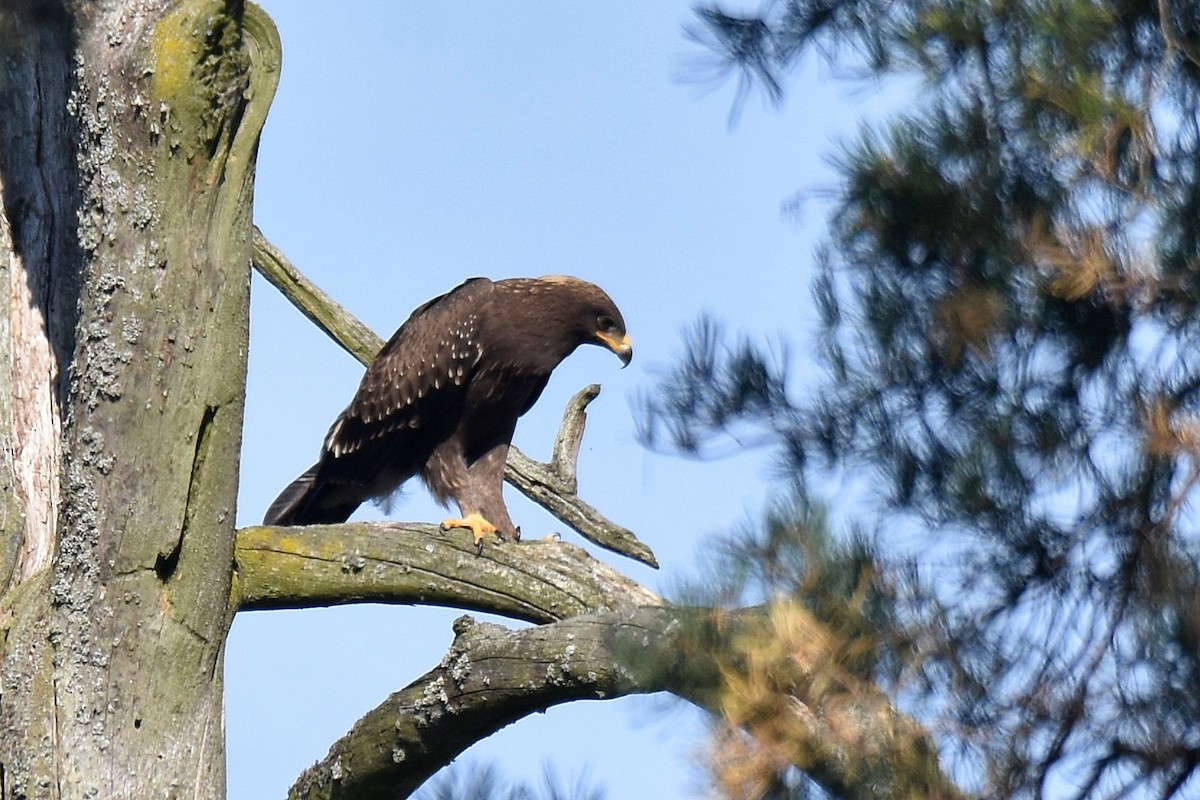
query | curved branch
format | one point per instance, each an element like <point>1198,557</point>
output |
<point>845,732</point>
<point>537,581</point>
<point>491,677</point>
<point>840,729</point>
<point>552,486</point>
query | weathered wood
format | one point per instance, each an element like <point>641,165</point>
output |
<point>842,730</point>
<point>537,581</point>
<point>127,148</point>
<point>40,260</point>
<point>554,486</point>
<point>40,190</point>
<point>339,324</point>
<point>491,677</point>
<point>127,246</point>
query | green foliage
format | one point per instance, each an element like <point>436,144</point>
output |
<point>1010,307</point>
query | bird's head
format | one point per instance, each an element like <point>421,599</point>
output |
<point>598,320</point>
<point>610,333</point>
<point>557,313</point>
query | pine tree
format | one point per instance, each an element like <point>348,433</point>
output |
<point>1009,325</point>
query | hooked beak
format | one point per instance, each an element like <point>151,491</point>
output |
<point>622,347</point>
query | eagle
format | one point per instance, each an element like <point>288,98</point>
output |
<point>442,398</point>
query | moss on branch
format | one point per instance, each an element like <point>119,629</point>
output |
<point>410,564</point>
<point>604,635</point>
<point>842,730</point>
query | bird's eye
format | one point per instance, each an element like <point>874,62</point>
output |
<point>605,323</point>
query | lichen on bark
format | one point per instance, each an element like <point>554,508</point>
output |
<point>129,225</point>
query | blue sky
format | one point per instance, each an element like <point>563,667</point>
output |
<point>413,145</point>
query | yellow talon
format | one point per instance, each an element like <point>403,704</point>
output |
<point>480,527</point>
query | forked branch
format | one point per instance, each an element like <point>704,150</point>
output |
<point>841,730</point>
<point>553,486</point>
<point>604,636</point>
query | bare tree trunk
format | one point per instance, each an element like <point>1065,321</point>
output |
<point>127,147</point>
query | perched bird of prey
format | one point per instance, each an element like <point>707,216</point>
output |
<point>442,398</point>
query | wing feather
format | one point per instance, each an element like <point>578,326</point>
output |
<point>419,377</point>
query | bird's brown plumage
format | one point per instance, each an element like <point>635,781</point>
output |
<point>443,396</point>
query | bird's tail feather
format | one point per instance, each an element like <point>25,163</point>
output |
<point>307,501</point>
<point>291,500</point>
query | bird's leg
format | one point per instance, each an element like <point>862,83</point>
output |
<point>449,478</point>
<point>485,492</point>
<point>477,488</point>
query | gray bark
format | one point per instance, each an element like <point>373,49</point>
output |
<point>490,678</point>
<point>845,733</point>
<point>126,177</point>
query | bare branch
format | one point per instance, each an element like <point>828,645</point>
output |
<point>491,677</point>
<point>612,636</point>
<point>552,486</point>
<point>411,564</point>
<point>343,327</point>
